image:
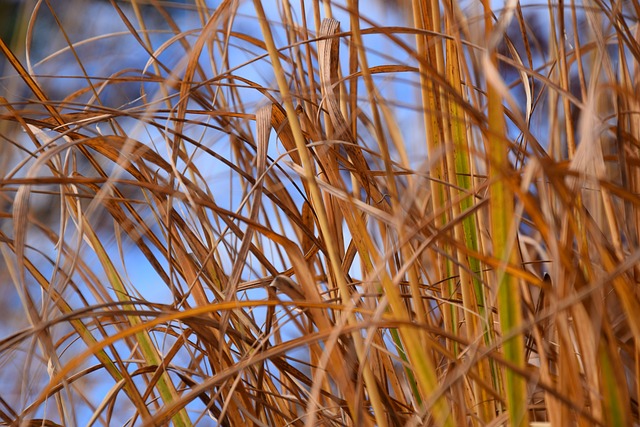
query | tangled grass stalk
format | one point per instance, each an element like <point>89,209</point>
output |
<point>333,213</point>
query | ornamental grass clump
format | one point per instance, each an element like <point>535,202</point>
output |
<point>320,213</point>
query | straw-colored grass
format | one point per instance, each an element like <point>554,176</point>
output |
<point>320,213</point>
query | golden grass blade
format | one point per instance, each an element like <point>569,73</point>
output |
<point>503,234</point>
